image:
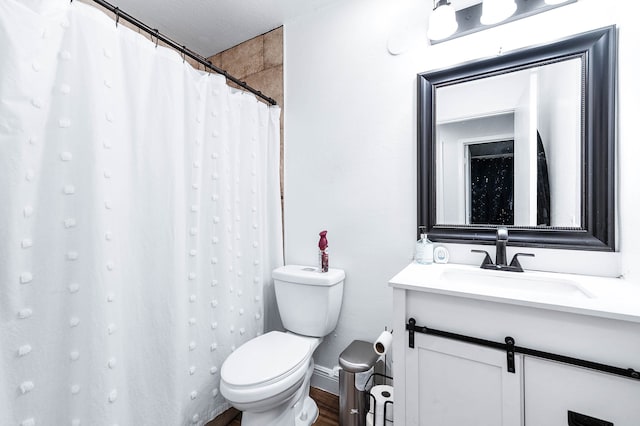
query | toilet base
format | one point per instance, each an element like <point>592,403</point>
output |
<point>309,413</point>
<point>300,410</point>
<point>305,415</point>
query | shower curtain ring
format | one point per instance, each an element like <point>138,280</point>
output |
<point>117,12</point>
<point>157,37</point>
<point>184,54</point>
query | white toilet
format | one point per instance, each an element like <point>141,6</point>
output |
<point>268,377</point>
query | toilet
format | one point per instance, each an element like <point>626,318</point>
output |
<point>268,377</point>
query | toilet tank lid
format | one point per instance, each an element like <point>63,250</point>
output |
<point>308,275</point>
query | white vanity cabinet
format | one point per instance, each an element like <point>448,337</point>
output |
<point>447,382</point>
<point>451,383</point>
<point>553,389</point>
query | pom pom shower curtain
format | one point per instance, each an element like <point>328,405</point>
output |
<point>139,223</point>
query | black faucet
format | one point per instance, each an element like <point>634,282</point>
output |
<point>502,236</point>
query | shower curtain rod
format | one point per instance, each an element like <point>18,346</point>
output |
<point>154,33</point>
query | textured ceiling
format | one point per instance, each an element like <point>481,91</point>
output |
<point>211,26</point>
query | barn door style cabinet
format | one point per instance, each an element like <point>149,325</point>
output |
<point>468,354</point>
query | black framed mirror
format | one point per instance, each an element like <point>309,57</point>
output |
<point>524,140</point>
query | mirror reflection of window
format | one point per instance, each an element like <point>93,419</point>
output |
<point>490,183</point>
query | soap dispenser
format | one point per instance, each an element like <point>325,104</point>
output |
<point>424,248</point>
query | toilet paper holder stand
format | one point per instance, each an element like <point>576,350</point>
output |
<point>383,379</point>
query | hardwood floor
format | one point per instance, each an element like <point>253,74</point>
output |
<point>228,418</point>
<point>328,405</point>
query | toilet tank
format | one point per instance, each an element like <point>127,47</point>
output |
<point>309,301</point>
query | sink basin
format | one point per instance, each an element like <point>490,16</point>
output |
<point>516,283</point>
<point>604,297</point>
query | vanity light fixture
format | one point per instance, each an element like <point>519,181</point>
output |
<point>494,11</point>
<point>442,21</point>
<point>446,22</point>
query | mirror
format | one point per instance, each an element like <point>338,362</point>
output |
<point>479,183</point>
<point>523,140</point>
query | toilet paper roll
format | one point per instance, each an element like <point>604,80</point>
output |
<point>382,343</point>
<point>379,395</point>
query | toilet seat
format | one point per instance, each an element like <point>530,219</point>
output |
<point>270,365</point>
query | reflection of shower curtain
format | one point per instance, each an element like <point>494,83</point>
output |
<point>544,194</point>
<point>139,221</point>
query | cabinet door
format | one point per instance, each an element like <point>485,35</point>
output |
<point>450,383</point>
<point>552,389</point>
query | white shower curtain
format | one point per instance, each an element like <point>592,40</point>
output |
<point>139,222</point>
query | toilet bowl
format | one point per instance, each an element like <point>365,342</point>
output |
<point>268,377</point>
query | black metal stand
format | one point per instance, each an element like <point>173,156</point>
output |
<point>387,404</point>
<point>511,349</point>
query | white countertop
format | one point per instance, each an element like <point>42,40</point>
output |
<point>588,295</point>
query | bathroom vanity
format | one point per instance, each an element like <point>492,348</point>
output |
<point>465,372</point>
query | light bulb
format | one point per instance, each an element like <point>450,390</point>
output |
<point>494,11</point>
<point>442,22</point>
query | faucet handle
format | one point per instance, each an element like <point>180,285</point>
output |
<point>515,263</point>
<point>487,258</point>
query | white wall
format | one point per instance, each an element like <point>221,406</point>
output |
<point>349,159</point>
<point>486,96</point>
<point>350,142</point>
<point>559,126</point>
